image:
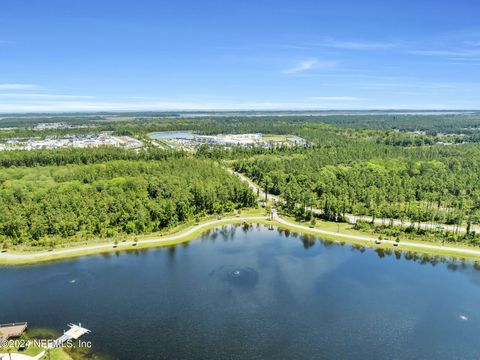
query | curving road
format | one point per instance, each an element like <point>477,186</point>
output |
<point>278,219</point>
<point>353,218</point>
<point>421,246</point>
<point>158,240</point>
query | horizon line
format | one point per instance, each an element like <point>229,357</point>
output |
<point>183,111</point>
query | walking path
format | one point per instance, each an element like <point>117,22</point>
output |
<point>428,226</point>
<point>16,356</point>
<point>158,240</point>
<point>254,187</point>
<point>353,218</point>
<point>275,216</point>
<point>417,245</point>
<point>421,246</point>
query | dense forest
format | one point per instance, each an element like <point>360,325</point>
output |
<point>350,173</point>
<point>412,167</point>
<point>274,122</point>
<point>63,156</point>
<point>56,203</point>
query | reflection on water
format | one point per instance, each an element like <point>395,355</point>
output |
<point>256,292</point>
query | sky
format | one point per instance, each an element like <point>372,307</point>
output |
<point>115,55</point>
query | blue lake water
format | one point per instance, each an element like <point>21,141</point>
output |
<point>252,293</point>
<point>173,135</point>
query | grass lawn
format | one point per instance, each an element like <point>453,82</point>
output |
<point>55,354</point>
<point>73,353</point>
<point>126,242</point>
<point>345,228</point>
<point>25,249</point>
<point>156,239</point>
<point>34,350</point>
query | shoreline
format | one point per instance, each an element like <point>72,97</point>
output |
<point>423,247</point>
<point>185,235</point>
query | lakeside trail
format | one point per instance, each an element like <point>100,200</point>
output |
<point>353,218</point>
<point>128,244</point>
<point>11,258</point>
<point>421,246</point>
<point>417,245</point>
<point>275,219</point>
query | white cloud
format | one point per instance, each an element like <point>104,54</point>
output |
<point>330,104</point>
<point>23,96</point>
<point>309,64</point>
<point>336,98</point>
<point>17,86</point>
<point>469,50</point>
<point>356,45</point>
<point>462,53</point>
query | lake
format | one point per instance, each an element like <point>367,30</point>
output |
<point>252,293</point>
<point>173,135</point>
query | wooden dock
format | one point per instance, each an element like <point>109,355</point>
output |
<point>12,330</point>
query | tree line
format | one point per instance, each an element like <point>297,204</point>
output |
<point>60,203</point>
<point>359,175</point>
<point>63,156</point>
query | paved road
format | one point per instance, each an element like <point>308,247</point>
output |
<point>16,356</point>
<point>277,218</point>
<point>127,244</point>
<point>421,246</point>
<point>254,187</point>
<point>352,218</point>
